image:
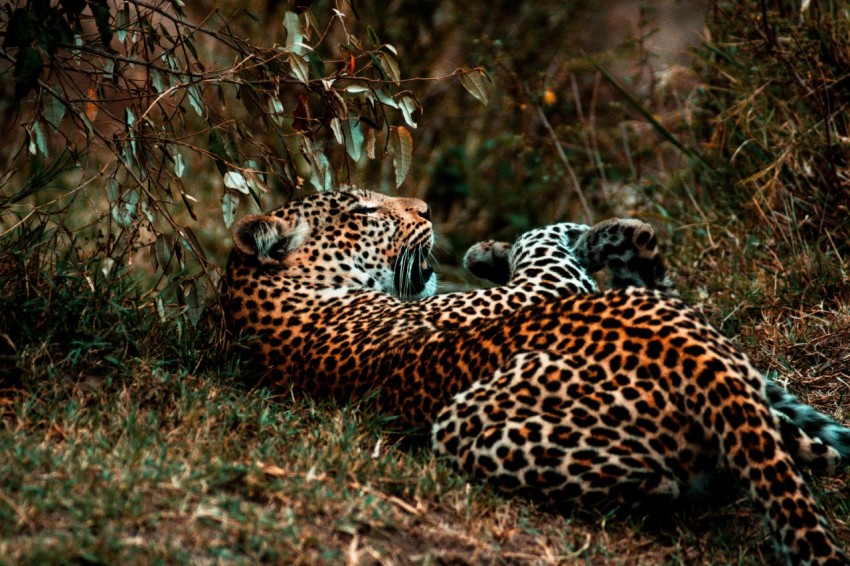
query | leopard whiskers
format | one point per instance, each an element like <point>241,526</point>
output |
<point>409,275</point>
<point>402,273</point>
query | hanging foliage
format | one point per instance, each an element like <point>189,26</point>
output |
<point>142,101</point>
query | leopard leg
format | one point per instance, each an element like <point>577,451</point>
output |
<point>541,261</point>
<point>489,260</point>
<point>627,246</point>
<point>755,451</point>
<point>813,439</point>
<point>630,249</point>
<point>542,428</point>
<point>566,430</point>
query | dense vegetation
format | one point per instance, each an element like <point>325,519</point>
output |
<point>131,430</point>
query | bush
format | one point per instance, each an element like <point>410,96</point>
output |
<point>779,97</point>
<point>125,110</point>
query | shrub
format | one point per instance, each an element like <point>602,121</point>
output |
<point>124,109</point>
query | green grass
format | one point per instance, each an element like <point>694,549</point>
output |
<point>128,438</point>
<point>179,468</point>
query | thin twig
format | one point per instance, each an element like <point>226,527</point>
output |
<point>563,157</point>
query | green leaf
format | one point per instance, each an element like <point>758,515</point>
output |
<point>150,213</point>
<point>218,151</point>
<point>299,68</point>
<point>161,253</point>
<point>194,292</point>
<point>191,45</point>
<point>477,83</point>
<point>276,110</point>
<point>294,37</point>
<point>78,42</point>
<point>357,89</point>
<point>108,67</point>
<point>191,243</point>
<point>160,309</point>
<point>229,203</point>
<point>373,36</point>
<point>131,120</point>
<point>179,167</point>
<point>196,99</point>
<point>250,99</point>
<point>124,210</point>
<point>107,264</point>
<point>336,127</point>
<point>311,21</point>
<point>30,142</point>
<point>402,147</point>
<point>255,168</point>
<point>129,156</point>
<point>54,111</point>
<point>113,190</point>
<point>156,81</point>
<point>236,181</point>
<point>178,6</point>
<point>321,176</point>
<point>379,67</point>
<point>408,104</point>
<point>385,98</point>
<point>354,138</point>
<point>172,63</point>
<point>38,142</point>
<point>317,65</point>
<point>28,69</point>
<point>390,65</point>
<point>187,201</point>
<point>21,30</point>
<point>100,11</point>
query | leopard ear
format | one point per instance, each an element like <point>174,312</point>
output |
<point>489,260</point>
<point>269,238</point>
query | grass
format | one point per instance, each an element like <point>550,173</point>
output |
<point>128,438</point>
<point>178,468</point>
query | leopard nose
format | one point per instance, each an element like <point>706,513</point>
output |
<point>426,214</point>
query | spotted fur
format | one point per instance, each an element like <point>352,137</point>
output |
<point>628,248</point>
<point>539,385</point>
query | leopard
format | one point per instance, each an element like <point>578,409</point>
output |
<point>541,384</point>
<point>628,248</point>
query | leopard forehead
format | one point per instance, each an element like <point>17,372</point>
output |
<point>346,212</point>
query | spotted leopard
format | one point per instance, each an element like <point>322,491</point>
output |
<point>539,385</point>
<point>628,248</point>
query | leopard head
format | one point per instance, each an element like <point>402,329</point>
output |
<point>350,238</point>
